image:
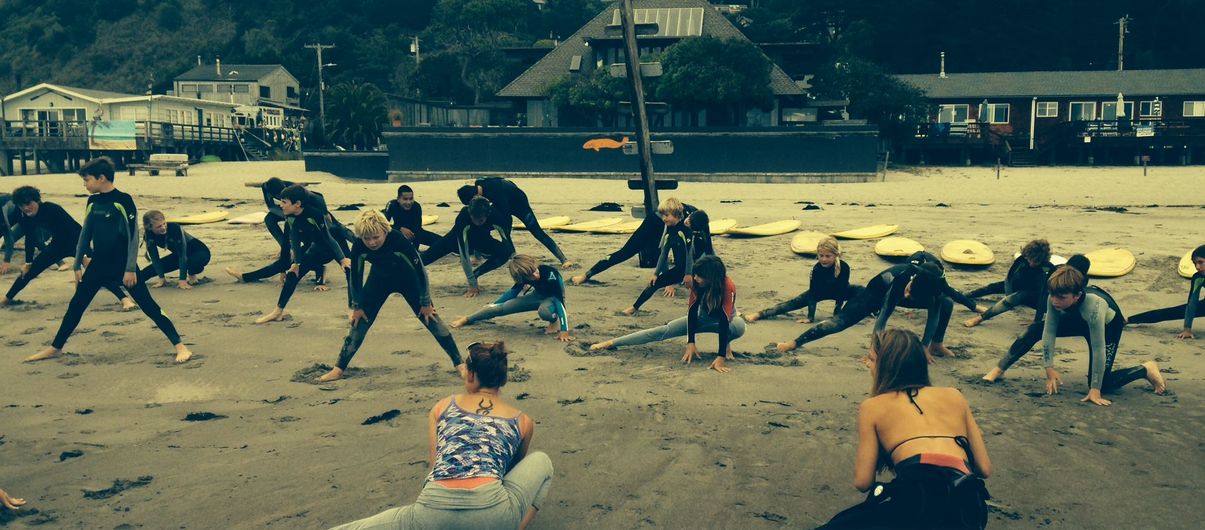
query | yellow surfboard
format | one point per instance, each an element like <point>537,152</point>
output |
<point>867,232</point>
<point>1186,268</point>
<point>1110,262</point>
<point>428,219</point>
<point>897,247</point>
<point>768,229</point>
<point>805,242</point>
<point>590,225</point>
<point>967,252</point>
<point>722,226</point>
<point>621,228</point>
<point>545,223</point>
<point>249,219</point>
<point>202,218</point>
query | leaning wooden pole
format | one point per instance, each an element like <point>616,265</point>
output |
<point>639,115</point>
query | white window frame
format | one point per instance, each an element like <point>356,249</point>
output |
<point>1146,109</point>
<point>1044,109</point>
<point>188,88</point>
<point>1197,109</point>
<point>991,113</point>
<point>1129,109</point>
<point>953,110</point>
<point>1071,111</point>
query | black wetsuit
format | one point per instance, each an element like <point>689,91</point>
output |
<point>1023,285</point>
<point>11,231</point>
<point>64,236</point>
<point>674,244</point>
<point>511,200</point>
<point>411,220</point>
<point>1097,319</point>
<point>647,235</point>
<point>823,286</point>
<point>275,218</point>
<point>1187,310</point>
<point>189,255</point>
<point>110,231</point>
<point>467,238</point>
<point>884,293</point>
<point>396,268</point>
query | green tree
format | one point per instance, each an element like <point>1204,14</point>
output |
<point>473,32</point>
<point>726,75</point>
<point>873,95</point>
<point>588,100</point>
<point>355,114</point>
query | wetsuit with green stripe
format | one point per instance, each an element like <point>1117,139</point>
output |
<point>110,236</point>
<point>674,242</point>
<point>467,238</point>
<point>547,297</point>
<point>396,268</point>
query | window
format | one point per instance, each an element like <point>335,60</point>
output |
<point>1048,109</point>
<point>225,88</point>
<point>953,113</point>
<point>1150,109</point>
<point>291,92</point>
<point>997,113</point>
<point>1083,111</point>
<point>205,89</point>
<point>265,92</point>
<point>1194,109</point>
<point>75,115</point>
<point>242,89</point>
<point>188,88</point>
<point>1108,110</point>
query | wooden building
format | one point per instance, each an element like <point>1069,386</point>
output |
<point>1025,118</point>
<point>264,90</point>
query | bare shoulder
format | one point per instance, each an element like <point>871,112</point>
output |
<point>948,392</point>
<point>440,406</point>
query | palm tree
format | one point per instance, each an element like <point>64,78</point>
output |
<point>356,113</point>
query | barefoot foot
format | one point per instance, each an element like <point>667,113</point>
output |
<point>973,321</point>
<point>993,375</point>
<point>238,276</point>
<point>598,346</point>
<point>1156,378</point>
<point>579,279</point>
<point>276,315</point>
<point>630,311</point>
<point>460,322</point>
<point>183,354</point>
<point>567,264</point>
<point>938,349</point>
<point>44,354</point>
<point>753,317</point>
<point>127,304</point>
<point>333,375</point>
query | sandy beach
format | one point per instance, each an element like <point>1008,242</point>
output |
<point>102,438</point>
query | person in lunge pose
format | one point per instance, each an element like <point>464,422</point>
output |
<point>1187,310</point>
<point>110,233</point>
<point>547,297</point>
<point>511,200</point>
<point>474,231</point>
<point>830,281</point>
<point>645,236</point>
<point>396,268</point>
<point>189,255</point>
<point>1025,284</point>
<point>406,214</point>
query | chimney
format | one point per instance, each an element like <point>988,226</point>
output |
<point>943,66</point>
<point>198,60</point>
<point>219,67</point>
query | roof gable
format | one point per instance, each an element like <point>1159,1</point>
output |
<point>230,72</point>
<point>537,80</point>
<point>1061,84</point>
<point>95,96</point>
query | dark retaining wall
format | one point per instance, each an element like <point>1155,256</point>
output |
<point>349,164</point>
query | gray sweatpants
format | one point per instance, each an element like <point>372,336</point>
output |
<point>529,302</point>
<point>677,328</point>
<point>498,505</point>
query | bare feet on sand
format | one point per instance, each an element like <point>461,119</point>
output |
<point>334,375</point>
<point>183,354</point>
<point>127,304</point>
<point>1156,378</point>
<point>938,349</point>
<point>579,279</point>
<point>567,264</point>
<point>973,321</point>
<point>44,354</point>
<point>276,315</point>
<point>753,317</point>
<point>630,311</point>
<point>993,375</point>
<point>460,322</point>
<point>598,346</point>
<point>238,276</point>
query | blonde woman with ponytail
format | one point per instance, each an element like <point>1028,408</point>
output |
<point>830,281</point>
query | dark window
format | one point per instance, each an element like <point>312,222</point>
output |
<point>265,92</point>
<point>291,91</point>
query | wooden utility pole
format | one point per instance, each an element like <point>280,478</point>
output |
<point>321,87</point>
<point>639,115</point>
<point>1121,41</point>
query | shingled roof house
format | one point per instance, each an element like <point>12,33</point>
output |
<point>1114,117</point>
<point>592,47</point>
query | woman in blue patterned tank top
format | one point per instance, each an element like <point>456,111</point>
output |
<point>482,476</point>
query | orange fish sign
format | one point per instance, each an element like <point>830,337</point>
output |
<point>599,144</point>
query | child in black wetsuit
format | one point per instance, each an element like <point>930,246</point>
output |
<point>33,216</point>
<point>830,281</point>
<point>189,255</point>
<point>674,242</point>
<point>1025,284</point>
<point>1187,310</point>
<point>511,200</point>
<point>110,232</point>
<point>406,214</point>
<point>11,232</point>
<point>313,243</point>
<point>474,231</point>
<point>546,298</point>
<point>645,236</point>
<point>920,283</point>
<point>396,268</point>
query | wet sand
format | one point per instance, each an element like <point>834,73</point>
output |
<point>102,437</point>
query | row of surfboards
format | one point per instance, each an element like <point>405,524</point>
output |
<point>1107,262</point>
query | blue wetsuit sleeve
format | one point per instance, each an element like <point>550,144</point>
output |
<point>85,236</point>
<point>1050,333</point>
<point>1194,294</point>
<point>510,294</point>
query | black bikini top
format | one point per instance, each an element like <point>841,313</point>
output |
<point>962,441</point>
